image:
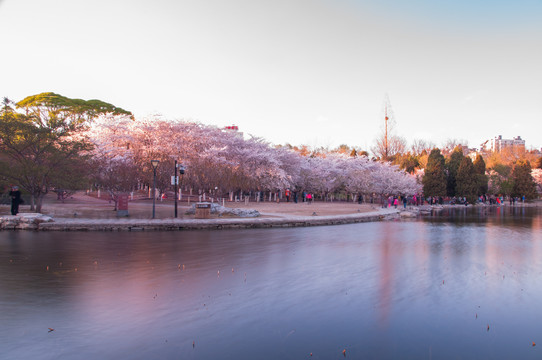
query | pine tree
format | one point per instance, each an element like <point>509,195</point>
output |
<point>523,182</point>
<point>434,180</point>
<point>452,165</point>
<point>409,162</point>
<point>467,184</point>
<point>482,179</point>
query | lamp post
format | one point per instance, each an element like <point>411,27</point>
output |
<point>154,164</point>
<point>181,171</point>
<point>176,182</point>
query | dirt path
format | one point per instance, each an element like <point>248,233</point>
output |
<point>81,205</point>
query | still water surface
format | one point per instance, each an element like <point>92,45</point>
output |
<point>463,285</point>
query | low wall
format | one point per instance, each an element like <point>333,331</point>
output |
<point>190,224</point>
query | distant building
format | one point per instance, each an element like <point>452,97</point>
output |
<point>498,144</point>
<point>234,129</point>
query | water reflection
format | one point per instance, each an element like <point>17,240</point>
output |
<point>495,215</point>
<point>414,289</point>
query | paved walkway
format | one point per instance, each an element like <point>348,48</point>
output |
<point>84,213</point>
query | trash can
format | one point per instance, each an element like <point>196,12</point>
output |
<point>203,210</point>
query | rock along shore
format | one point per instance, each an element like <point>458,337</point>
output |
<point>44,223</point>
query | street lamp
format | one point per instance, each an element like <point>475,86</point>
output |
<point>176,182</point>
<point>154,164</point>
<point>181,171</point>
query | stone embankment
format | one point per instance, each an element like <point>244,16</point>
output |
<point>24,221</point>
<point>226,211</point>
<point>45,223</point>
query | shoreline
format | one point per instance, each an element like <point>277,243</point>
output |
<point>38,222</point>
<point>86,214</point>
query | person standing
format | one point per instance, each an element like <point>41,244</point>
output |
<point>15,195</point>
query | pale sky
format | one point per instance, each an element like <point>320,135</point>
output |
<point>290,71</point>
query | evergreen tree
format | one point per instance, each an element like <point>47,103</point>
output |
<point>452,165</point>
<point>500,180</point>
<point>523,182</point>
<point>539,163</point>
<point>409,162</point>
<point>467,184</point>
<point>480,170</point>
<point>434,180</point>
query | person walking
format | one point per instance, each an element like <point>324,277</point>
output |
<point>15,195</point>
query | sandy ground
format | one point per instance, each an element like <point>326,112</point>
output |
<point>82,206</point>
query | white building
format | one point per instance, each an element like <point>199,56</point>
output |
<point>498,143</point>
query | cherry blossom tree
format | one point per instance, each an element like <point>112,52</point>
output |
<point>230,163</point>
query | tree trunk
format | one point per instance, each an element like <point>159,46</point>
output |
<point>32,202</point>
<point>39,202</point>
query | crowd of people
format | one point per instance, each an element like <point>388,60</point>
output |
<point>307,197</point>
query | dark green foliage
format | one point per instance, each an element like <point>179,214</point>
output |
<point>467,181</point>
<point>434,180</point>
<point>409,162</point>
<point>64,109</point>
<point>503,170</point>
<point>523,182</point>
<point>481,177</point>
<point>452,165</point>
<point>479,165</point>
<point>500,180</point>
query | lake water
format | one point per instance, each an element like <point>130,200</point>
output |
<point>461,285</point>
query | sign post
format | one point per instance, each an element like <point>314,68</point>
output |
<point>122,206</point>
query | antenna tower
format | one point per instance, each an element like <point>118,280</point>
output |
<point>388,117</point>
